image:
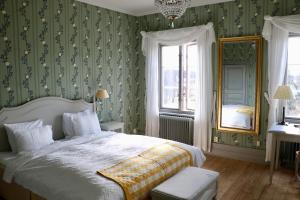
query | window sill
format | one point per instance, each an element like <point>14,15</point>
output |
<point>292,120</point>
<point>178,114</point>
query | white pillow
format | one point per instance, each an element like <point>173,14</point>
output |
<point>11,128</point>
<point>33,139</point>
<point>86,123</point>
<point>67,123</point>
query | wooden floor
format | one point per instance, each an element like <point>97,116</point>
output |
<point>241,180</point>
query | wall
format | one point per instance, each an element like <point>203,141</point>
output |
<point>67,48</point>
<point>237,18</point>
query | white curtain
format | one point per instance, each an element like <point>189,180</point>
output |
<point>204,36</point>
<point>276,31</point>
<point>152,93</point>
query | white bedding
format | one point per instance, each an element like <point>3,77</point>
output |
<point>232,118</point>
<point>67,170</point>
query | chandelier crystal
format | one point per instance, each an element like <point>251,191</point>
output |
<point>172,9</point>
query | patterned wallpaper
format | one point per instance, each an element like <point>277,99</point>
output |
<point>67,48</point>
<point>236,18</point>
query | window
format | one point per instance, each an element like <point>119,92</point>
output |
<point>293,76</point>
<point>177,77</point>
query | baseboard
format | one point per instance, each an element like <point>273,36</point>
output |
<point>238,153</point>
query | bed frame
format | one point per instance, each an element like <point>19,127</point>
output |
<point>12,191</point>
<point>50,110</point>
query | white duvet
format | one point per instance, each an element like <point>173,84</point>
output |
<point>232,118</point>
<point>66,170</point>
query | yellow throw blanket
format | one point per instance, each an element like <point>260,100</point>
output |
<point>140,174</point>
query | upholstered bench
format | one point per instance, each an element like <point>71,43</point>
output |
<point>191,183</point>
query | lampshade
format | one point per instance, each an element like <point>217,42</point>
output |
<point>101,94</point>
<point>284,92</point>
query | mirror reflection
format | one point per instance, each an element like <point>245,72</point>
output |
<point>238,84</point>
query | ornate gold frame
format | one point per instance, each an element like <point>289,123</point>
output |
<point>258,41</point>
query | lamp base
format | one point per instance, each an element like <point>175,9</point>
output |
<point>283,123</point>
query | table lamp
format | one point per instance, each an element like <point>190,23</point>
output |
<point>100,94</point>
<point>283,92</point>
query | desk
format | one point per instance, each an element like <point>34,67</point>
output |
<point>281,134</point>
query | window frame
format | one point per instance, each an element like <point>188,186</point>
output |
<point>287,118</point>
<point>180,110</point>
<point>187,70</point>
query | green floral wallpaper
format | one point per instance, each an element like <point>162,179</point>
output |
<point>236,18</point>
<point>67,48</point>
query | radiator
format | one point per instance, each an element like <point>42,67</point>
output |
<point>287,154</point>
<point>177,128</point>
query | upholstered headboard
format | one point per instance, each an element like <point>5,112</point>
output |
<point>49,109</point>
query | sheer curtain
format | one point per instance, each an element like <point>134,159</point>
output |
<point>204,36</point>
<point>276,31</point>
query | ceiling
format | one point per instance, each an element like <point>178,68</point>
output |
<point>140,7</point>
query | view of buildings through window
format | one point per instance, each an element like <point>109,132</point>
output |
<point>177,77</point>
<point>293,76</point>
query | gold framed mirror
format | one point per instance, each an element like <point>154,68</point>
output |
<point>239,84</point>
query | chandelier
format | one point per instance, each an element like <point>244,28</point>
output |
<point>172,9</point>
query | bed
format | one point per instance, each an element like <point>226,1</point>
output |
<point>237,116</point>
<point>67,168</point>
